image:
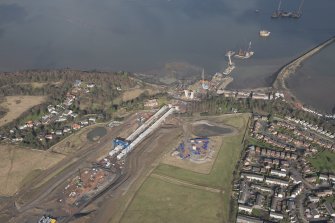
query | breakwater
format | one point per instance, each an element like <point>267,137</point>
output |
<point>291,67</point>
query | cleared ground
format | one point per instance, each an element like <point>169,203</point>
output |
<point>175,197</point>
<point>19,165</point>
<point>160,201</point>
<point>16,105</point>
<point>324,161</point>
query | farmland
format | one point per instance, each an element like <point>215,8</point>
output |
<point>16,105</point>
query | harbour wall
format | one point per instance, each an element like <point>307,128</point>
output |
<point>290,68</point>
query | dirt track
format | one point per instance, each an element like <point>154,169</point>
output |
<point>184,183</point>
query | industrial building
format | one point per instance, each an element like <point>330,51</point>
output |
<point>123,147</point>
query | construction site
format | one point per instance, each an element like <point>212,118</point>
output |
<point>89,182</point>
<point>196,90</point>
<point>97,167</point>
<point>195,149</point>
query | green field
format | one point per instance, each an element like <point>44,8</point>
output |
<point>324,161</point>
<point>159,201</point>
<point>149,204</point>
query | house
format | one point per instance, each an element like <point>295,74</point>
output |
<point>324,193</point>
<point>278,173</point>
<point>66,129</point>
<point>311,179</point>
<point>250,176</point>
<point>49,136</point>
<point>84,122</point>
<point>261,188</point>
<point>297,190</point>
<point>275,215</point>
<point>91,119</point>
<point>274,181</point>
<point>61,119</point>
<point>21,127</point>
<point>75,126</point>
<point>51,108</point>
<point>30,124</point>
<point>18,139</point>
<point>67,112</point>
<point>242,207</point>
<point>151,103</point>
<point>59,132</point>
<point>295,178</point>
<point>77,83</point>
<point>313,199</point>
<point>323,177</point>
<point>54,112</point>
<point>247,219</point>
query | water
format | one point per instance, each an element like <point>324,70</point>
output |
<point>153,35</point>
<point>313,83</point>
<point>96,133</point>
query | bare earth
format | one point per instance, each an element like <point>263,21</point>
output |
<point>17,105</point>
<point>18,165</point>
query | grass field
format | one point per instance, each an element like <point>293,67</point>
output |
<point>134,93</point>
<point>19,165</point>
<point>16,105</point>
<point>150,204</point>
<point>159,201</point>
<point>324,161</point>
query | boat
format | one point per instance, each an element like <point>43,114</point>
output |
<point>297,14</point>
<point>264,33</point>
<point>286,14</point>
<point>231,65</point>
<point>244,54</point>
<point>278,12</point>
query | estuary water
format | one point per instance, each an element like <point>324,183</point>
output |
<point>149,36</point>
